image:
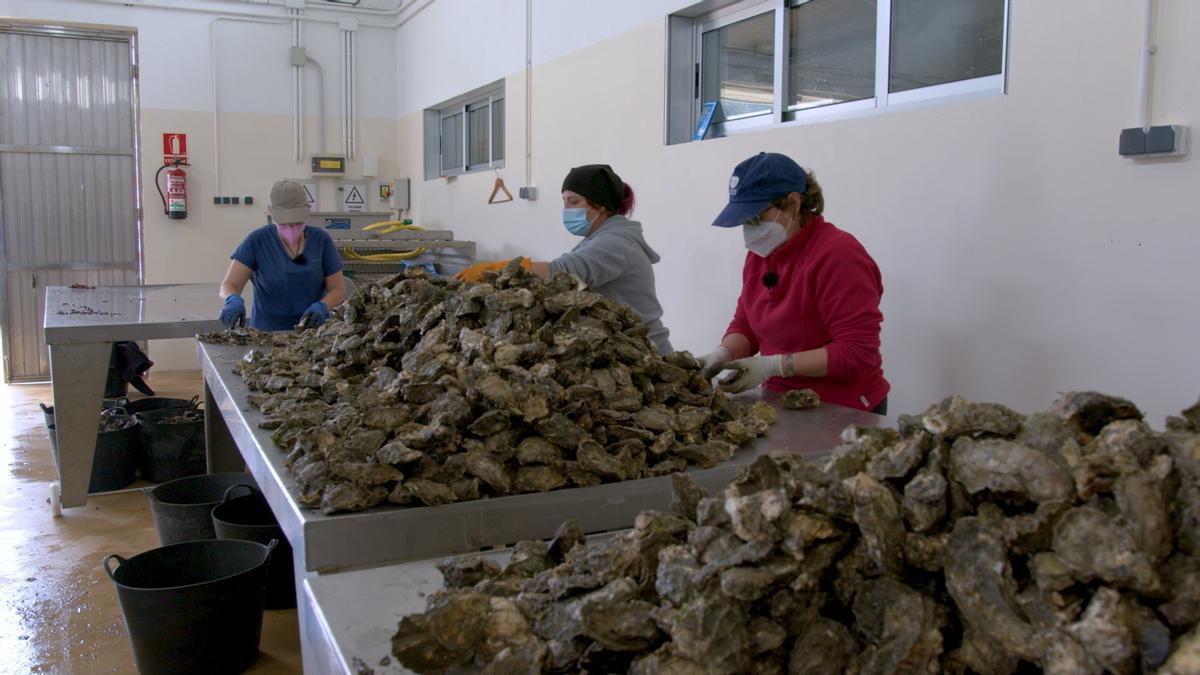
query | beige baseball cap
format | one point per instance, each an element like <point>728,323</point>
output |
<point>289,202</point>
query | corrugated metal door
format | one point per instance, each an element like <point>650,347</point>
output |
<point>68,200</point>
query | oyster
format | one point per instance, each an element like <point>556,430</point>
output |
<point>800,399</point>
<point>963,550</point>
<point>470,391</point>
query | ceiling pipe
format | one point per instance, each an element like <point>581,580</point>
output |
<point>142,4</point>
<point>242,16</point>
<point>401,5</point>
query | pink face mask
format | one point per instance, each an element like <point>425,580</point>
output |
<point>290,233</point>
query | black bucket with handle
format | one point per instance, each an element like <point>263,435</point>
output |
<point>105,404</point>
<point>193,607</point>
<point>149,403</point>
<point>114,458</point>
<point>249,517</point>
<point>172,443</point>
<point>182,508</point>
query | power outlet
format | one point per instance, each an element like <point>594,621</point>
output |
<point>529,193</point>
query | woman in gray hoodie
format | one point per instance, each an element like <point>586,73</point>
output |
<point>613,259</point>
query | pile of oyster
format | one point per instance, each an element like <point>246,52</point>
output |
<point>115,419</point>
<point>971,539</point>
<point>424,389</point>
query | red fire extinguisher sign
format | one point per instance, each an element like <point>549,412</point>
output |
<point>174,148</point>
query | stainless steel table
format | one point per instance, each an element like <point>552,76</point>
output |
<point>354,615</point>
<point>390,534</point>
<point>80,326</point>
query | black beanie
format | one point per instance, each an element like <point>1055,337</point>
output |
<point>598,184</point>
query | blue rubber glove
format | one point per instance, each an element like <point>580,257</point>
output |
<point>233,314</point>
<point>315,315</point>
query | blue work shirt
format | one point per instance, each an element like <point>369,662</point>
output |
<point>283,288</point>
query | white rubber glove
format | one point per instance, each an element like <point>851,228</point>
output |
<point>710,363</point>
<point>751,372</point>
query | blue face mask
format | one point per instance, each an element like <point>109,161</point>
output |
<point>576,221</point>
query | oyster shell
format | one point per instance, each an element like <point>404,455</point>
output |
<point>970,553</point>
<point>800,399</point>
<point>533,385</point>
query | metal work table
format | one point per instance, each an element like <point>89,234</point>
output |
<point>354,615</point>
<point>80,326</point>
<point>390,534</point>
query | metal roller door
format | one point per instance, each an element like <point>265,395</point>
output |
<point>69,206</point>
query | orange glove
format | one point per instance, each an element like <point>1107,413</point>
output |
<point>474,273</point>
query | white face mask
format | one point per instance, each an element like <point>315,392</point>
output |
<point>765,237</point>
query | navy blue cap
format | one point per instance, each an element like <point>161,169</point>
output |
<point>756,183</point>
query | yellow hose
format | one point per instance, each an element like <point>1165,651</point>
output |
<point>385,227</point>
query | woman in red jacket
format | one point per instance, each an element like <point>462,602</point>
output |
<point>808,314</point>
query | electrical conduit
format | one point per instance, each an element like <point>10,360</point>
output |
<point>1144,79</point>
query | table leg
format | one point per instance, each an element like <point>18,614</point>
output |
<point>312,637</point>
<point>221,449</point>
<point>77,376</point>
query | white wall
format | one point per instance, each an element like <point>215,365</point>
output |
<point>1021,256</point>
<point>454,46</point>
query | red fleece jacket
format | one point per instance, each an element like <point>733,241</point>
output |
<point>826,295</point>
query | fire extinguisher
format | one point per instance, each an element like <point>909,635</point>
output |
<point>175,201</point>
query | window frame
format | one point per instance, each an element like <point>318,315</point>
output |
<point>683,59</point>
<point>485,97</point>
<point>752,11</point>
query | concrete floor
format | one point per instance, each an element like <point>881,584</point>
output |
<point>58,609</point>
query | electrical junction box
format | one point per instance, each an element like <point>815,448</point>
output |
<point>1168,140</point>
<point>401,198</point>
<point>393,193</point>
<point>328,165</point>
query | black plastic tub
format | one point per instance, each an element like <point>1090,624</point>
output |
<point>170,451</point>
<point>114,464</point>
<point>193,607</point>
<point>182,508</point>
<point>105,404</point>
<point>159,403</point>
<point>249,517</point>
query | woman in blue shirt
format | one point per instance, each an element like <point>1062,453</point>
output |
<point>296,270</point>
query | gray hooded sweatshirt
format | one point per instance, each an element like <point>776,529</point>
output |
<point>616,262</point>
